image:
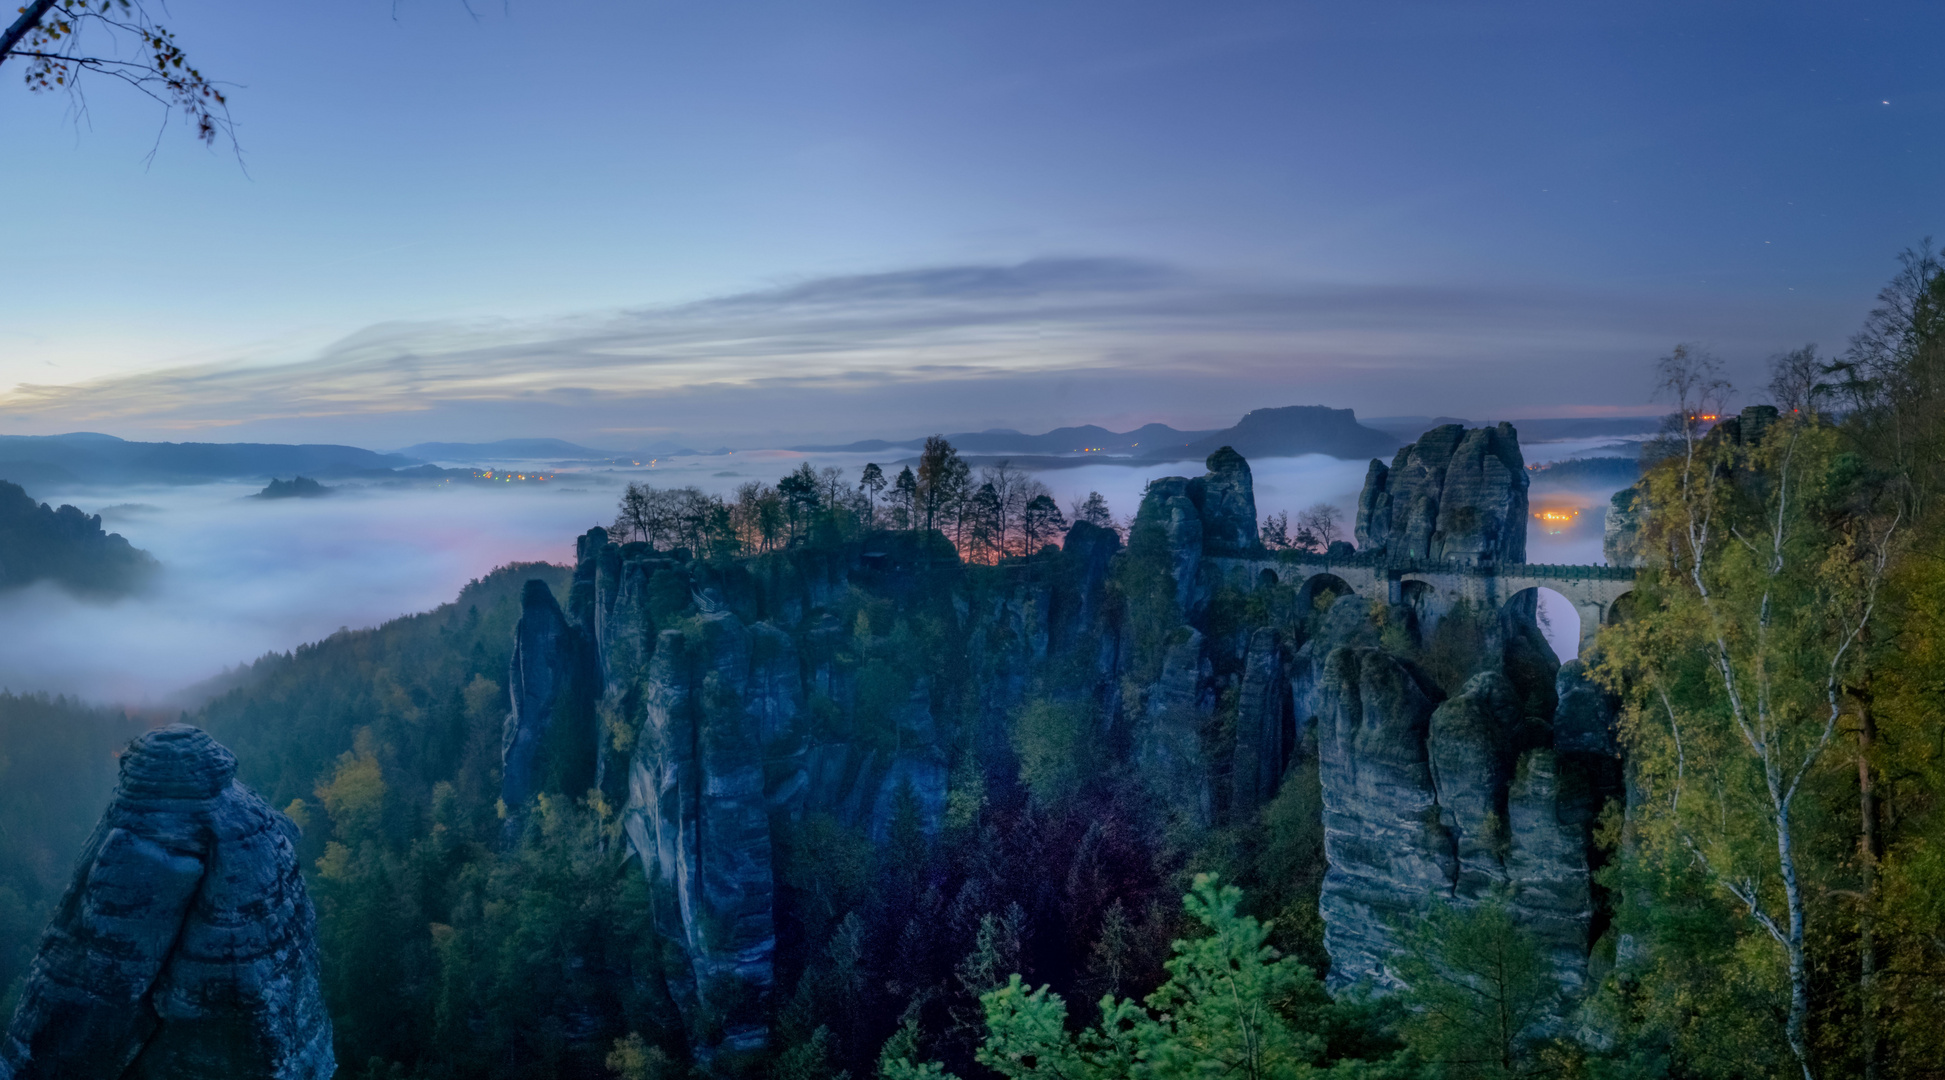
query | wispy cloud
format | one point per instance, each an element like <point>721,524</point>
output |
<point>789,358</point>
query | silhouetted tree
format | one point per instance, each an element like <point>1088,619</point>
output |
<point>1040,521</point>
<point>57,38</point>
<point>871,483</point>
<point>942,480</point>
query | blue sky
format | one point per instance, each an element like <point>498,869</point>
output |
<point>754,222</point>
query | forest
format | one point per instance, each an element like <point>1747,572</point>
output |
<point>1768,888</point>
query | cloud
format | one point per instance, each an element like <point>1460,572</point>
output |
<point>938,347</point>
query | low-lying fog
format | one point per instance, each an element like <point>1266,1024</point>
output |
<point>244,576</point>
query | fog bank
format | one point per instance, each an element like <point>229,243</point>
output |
<point>242,577</point>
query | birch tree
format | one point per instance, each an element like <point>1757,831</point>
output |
<point>1739,648</point>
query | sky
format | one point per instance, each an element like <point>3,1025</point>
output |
<point>753,223</point>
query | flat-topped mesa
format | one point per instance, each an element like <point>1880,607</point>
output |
<point>1455,495</point>
<point>185,946</point>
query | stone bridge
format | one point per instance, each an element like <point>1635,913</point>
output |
<point>1435,588</point>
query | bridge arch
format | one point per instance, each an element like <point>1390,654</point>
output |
<point>1420,600</point>
<point>1619,609</point>
<point>1319,591</point>
<point>1564,623</point>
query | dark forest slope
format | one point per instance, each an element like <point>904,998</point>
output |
<point>66,546</point>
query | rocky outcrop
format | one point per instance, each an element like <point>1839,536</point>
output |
<point>1383,836</point>
<point>698,818</point>
<point>1226,498</point>
<point>1168,737</point>
<point>66,547</point>
<point>1547,871</point>
<point>1455,495</point>
<point>1471,747</point>
<point>1621,533</point>
<point>185,947</point>
<point>1266,724</point>
<point>549,740</point>
<point>1211,514</point>
<point>1458,802</point>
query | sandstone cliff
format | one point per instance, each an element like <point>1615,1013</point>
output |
<point>739,700</point>
<point>1455,495</point>
<point>184,947</point>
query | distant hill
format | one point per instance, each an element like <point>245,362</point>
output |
<point>1409,428</point>
<point>1088,438</point>
<point>66,546</point>
<point>1287,432</point>
<point>1607,472</point>
<point>507,450</point>
<point>301,487</point>
<point>1278,432</point>
<point>90,458</point>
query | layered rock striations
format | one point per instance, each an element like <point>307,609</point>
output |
<point>730,702</point>
<point>1458,801</point>
<point>739,699</point>
<point>1455,495</point>
<point>185,947</point>
<point>697,816</point>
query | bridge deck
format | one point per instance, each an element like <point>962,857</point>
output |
<point>1591,589</point>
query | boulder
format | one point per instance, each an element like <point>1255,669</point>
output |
<point>185,947</point>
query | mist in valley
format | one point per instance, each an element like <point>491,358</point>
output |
<point>243,576</point>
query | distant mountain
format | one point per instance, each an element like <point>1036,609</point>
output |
<point>507,450</point>
<point>1281,432</point>
<point>90,458</point>
<point>1087,438</point>
<point>1409,428</point>
<point>1586,427</point>
<point>1610,473</point>
<point>66,546</point>
<point>1287,432</point>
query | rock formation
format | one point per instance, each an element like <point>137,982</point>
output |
<point>1621,533</point>
<point>740,699</point>
<point>65,546</point>
<point>184,948</point>
<point>1383,836</point>
<point>1266,723</point>
<point>697,815</point>
<point>548,734</point>
<point>1458,801</point>
<point>1453,496</point>
<point>1208,515</point>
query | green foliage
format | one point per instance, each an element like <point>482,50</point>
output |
<point>1480,988</point>
<point>1232,1006</point>
<point>1057,743</point>
<point>57,770</point>
<point>1143,584</point>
